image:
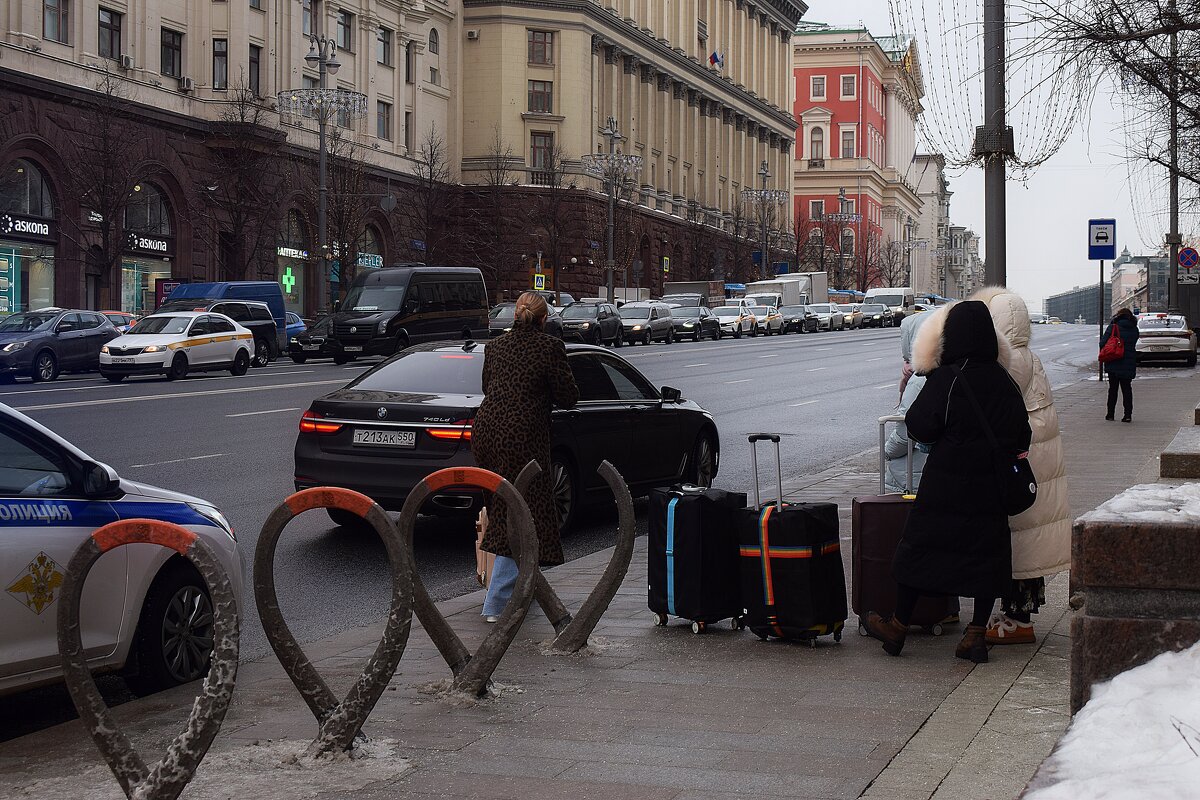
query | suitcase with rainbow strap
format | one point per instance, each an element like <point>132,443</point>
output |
<point>692,556</point>
<point>793,581</point>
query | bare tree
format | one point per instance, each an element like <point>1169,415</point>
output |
<point>106,163</point>
<point>428,215</point>
<point>349,201</point>
<point>742,230</point>
<point>887,262</point>
<point>701,243</point>
<point>487,234</point>
<point>554,213</point>
<point>241,204</point>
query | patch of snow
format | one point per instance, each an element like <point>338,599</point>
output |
<point>444,690</point>
<point>1138,738</point>
<point>596,645</point>
<point>1152,502</point>
<point>270,770</point>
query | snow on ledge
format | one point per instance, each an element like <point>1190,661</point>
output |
<point>1151,503</point>
<point>1138,738</point>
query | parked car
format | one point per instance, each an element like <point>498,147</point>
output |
<point>175,343</point>
<point>767,320</point>
<point>252,315</point>
<point>594,323</point>
<point>558,300</point>
<point>314,342</point>
<point>799,319</point>
<point>687,299</point>
<point>736,320</point>
<point>852,314</point>
<point>121,320</point>
<point>295,325</point>
<point>695,323</point>
<point>201,296</point>
<point>1039,319</point>
<point>42,344</point>
<point>411,415</point>
<point>647,322</point>
<point>877,315</point>
<point>500,320</point>
<point>144,608</point>
<point>1165,337</point>
<point>829,316</point>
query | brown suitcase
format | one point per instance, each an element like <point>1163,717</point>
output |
<point>877,526</point>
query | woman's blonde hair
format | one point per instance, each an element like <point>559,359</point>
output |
<point>531,310</point>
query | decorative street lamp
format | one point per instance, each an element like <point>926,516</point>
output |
<point>614,169</point>
<point>324,104</point>
<point>765,199</point>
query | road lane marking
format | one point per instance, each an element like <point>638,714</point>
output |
<point>887,386</point>
<point>816,369</point>
<point>743,380</point>
<point>256,413</point>
<point>177,461</point>
<point>689,366</point>
<point>770,355</point>
<point>141,397</point>
<point>109,385</point>
<point>880,358</point>
<point>824,348</point>
<point>805,403</point>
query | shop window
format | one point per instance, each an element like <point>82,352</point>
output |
<point>25,190</point>
<point>220,64</point>
<point>56,20</point>
<point>110,34</point>
<point>541,47</point>
<point>370,249</point>
<point>172,53</point>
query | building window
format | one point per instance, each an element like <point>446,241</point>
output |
<point>55,17</point>
<point>541,148</point>
<point>849,86</point>
<point>848,144</point>
<point>408,131</point>
<point>434,42</point>
<point>172,53</point>
<point>816,209</point>
<point>541,47</point>
<point>816,144</point>
<point>345,30</point>
<point>220,64</point>
<point>818,88</point>
<point>256,4</point>
<point>306,7</point>
<point>383,123</point>
<point>255,76</point>
<point>383,46</point>
<point>435,76</point>
<point>410,64</point>
<point>110,34</point>
<point>541,97</point>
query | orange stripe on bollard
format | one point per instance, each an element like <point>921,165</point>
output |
<point>464,476</point>
<point>329,497</point>
<point>144,531</point>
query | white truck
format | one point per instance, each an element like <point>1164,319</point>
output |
<point>792,289</point>
<point>622,294</point>
<point>711,293</point>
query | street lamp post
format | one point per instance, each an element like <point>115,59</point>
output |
<point>764,198</point>
<point>843,218</point>
<point>612,168</point>
<point>324,104</point>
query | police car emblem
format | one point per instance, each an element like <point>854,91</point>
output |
<point>37,583</point>
<point>381,413</point>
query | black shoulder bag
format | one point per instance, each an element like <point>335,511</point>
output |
<point>1018,486</point>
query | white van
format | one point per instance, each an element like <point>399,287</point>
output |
<point>899,298</point>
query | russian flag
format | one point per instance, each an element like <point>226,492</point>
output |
<point>716,60</point>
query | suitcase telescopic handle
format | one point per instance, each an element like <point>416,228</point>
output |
<point>754,439</point>
<point>883,423</point>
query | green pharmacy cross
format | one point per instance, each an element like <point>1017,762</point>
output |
<point>288,280</point>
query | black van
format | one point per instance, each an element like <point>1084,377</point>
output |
<point>386,310</point>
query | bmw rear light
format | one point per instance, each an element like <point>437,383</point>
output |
<point>311,423</point>
<point>462,433</point>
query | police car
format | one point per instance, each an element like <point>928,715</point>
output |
<point>177,342</point>
<point>144,609</point>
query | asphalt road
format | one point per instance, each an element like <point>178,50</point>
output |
<point>229,440</point>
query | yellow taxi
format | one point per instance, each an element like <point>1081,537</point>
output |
<point>176,343</point>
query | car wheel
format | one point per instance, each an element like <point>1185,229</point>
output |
<point>241,363</point>
<point>402,343</point>
<point>114,378</point>
<point>347,519</point>
<point>702,462</point>
<point>299,359</point>
<point>174,638</point>
<point>737,333</point>
<point>339,360</point>
<point>262,352</point>
<point>45,367</point>
<point>670,336</point>
<point>563,490</point>
<point>754,331</point>
<point>597,339</point>
<point>618,340</point>
<point>179,367</point>
<point>646,338</point>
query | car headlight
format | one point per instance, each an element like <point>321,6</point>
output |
<point>383,327</point>
<point>878,316</point>
<point>103,349</point>
<point>154,348</point>
<point>689,324</point>
<point>211,513</point>
<point>637,327</point>
<point>293,340</point>
<point>13,347</point>
<point>586,325</point>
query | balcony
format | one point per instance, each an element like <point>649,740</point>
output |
<point>816,163</point>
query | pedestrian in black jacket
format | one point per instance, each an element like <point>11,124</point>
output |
<point>957,541</point>
<point>1122,372</point>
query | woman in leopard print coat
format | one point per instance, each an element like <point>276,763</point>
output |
<point>525,375</point>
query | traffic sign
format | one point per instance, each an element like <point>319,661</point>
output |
<point>1189,279</point>
<point>666,265</point>
<point>1102,239</point>
<point>539,282</point>
<point>1189,258</point>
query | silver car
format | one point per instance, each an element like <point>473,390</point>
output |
<point>1165,337</point>
<point>142,605</point>
<point>829,316</point>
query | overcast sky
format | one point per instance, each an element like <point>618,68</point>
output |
<point>1047,217</point>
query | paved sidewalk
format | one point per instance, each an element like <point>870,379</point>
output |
<point>660,712</point>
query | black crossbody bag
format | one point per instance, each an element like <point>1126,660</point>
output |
<point>1018,486</point>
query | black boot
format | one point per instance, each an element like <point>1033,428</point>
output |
<point>973,646</point>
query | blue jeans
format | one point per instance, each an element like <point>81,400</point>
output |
<point>500,587</point>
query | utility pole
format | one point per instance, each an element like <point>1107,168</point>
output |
<point>994,142</point>
<point>1173,238</point>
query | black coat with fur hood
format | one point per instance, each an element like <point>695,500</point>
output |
<point>957,540</point>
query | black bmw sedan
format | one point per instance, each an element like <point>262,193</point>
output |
<point>411,415</point>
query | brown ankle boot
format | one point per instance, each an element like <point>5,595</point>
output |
<point>973,646</point>
<point>888,631</point>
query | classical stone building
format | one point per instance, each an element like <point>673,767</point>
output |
<point>929,274</point>
<point>133,108</point>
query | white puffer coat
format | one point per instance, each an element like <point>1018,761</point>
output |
<point>1041,537</point>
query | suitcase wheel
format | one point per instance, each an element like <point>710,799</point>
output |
<point>738,624</point>
<point>660,620</point>
<point>862,630</point>
<point>937,629</point>
<point>837,635</point>
<point>812,643</point>
<point>699,627</point>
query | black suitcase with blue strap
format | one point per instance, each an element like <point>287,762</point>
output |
<point>693,555</point>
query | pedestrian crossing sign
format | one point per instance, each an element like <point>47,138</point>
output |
<point>539,282</point>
